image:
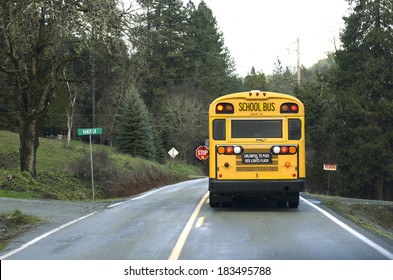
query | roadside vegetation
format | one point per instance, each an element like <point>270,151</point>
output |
<point>14,223</point>
<point>64,171</point>
<point>373,215</point>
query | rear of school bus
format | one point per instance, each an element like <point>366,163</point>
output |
<point>257,148</point>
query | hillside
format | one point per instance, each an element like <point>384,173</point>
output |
<point>64,171</point>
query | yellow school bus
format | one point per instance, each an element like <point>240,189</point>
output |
<point>256,143</point>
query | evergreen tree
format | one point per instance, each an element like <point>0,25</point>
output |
<point>255,81</point>
<point>322,126</point>
<point>160,42</point>
<point>135,133</point>
<point>363,83</point>
<point>283,81</point>
<point>210,65</point>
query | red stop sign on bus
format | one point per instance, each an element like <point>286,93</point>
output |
<point>202,152</point>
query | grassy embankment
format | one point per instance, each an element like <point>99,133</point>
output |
<point>64,171</point>
<point>372,215</point>
<point>14,223</point>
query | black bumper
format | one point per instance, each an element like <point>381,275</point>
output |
<point>256,186</point>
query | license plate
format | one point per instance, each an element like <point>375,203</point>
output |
<point>257,158</point>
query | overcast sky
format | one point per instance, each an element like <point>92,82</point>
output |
<point>256,32</point>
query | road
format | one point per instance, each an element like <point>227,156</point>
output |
<point>176,222</point>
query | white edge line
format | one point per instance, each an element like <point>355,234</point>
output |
<point>372,244</point>
<point>116,204</point>
<point>146,194</point>
<point>24,246</point>
<point>143,195</point>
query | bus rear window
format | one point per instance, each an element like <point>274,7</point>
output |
<point>294,129</point>
<point>256,129</point>
<point>219,130</point>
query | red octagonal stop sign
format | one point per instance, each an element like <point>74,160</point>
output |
<point>202,152</point>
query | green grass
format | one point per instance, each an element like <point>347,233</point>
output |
<point>13,223</point>
<point>15,194</point>
<point>63,171</point>
<point>375,216</point>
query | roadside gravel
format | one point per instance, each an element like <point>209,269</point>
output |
<point>53,213</point>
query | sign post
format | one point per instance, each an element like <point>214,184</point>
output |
<point>90,132</point>
<point>329,167</point>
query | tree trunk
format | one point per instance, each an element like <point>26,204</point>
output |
<point>28,146</point>
<point>70,120</point>
<point>70,116</point>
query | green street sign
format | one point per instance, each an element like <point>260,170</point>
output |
<point>89,131</point>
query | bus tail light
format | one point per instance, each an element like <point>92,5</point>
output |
<point>276,150</point>
<point>282,150</point>
<point>237,150</point>
<point>292,150</point>
<point>221,150</point>
<point>229,150</point>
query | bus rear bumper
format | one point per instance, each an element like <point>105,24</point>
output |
<point>256,186</point>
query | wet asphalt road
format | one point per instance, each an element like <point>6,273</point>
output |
<point>178,218</point>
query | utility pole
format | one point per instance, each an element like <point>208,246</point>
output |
<point>298,61</point>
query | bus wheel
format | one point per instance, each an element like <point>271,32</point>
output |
<point>213,200</point>
<point>294,202</point>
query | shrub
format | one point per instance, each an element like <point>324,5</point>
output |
<point>53,185</point>
<point>112,181</point>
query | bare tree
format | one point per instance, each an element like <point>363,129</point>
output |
<point>72,93</point>
<point>34,36</point>
<point>185,120</point>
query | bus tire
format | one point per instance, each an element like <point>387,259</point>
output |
<point>213,200</point>
<point>294,202</point>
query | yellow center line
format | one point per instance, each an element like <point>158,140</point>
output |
<point>200,222</point>
<point>176,251</point>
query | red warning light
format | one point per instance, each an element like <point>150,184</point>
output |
<point>229,150</point>
<point>284,150</point>
<point>224,108</point>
